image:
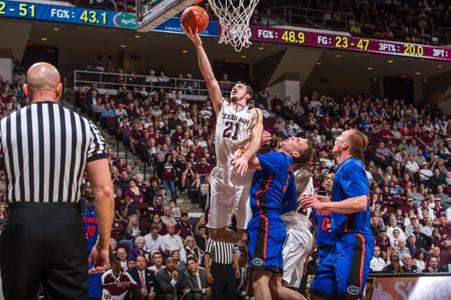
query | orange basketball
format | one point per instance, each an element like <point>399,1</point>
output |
<point>195,17</point>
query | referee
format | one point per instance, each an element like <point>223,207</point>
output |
<point>46,150</point>
<point>224,270</point>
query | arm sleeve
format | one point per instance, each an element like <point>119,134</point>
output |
<point>97,145</point>
<point>272,162</point>
<point>354,180</point>
<point>209,247</point>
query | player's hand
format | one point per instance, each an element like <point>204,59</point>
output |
<point>209,277</point>
<point>266,137</point>
<point>311,201</point>
<point>193,36</point>
<point>101,256</point>
<point>241,165</point>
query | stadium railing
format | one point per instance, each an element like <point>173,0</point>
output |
<point>192,89</point>
<point>336,21</point>
<point>304,17</point>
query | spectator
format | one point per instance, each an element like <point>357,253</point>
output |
<point>122,256</point>
<point>422,240</point>
<point>393,231</point>
<point>152,190</point>
<point>156,221</point>
<point>175,211</point>
<point>117,282</point>
<point>168,176</point>
<point>432,265</point>
<point>394,266</point>
<point>383,155</point>
<point>157,260</point>
<point>145,279</point>
<point>444,198</point>
<point>185,228</point>
<point>170,281</point>
<point>412,165</point>
<point>179,265</point>
<point>201,237</point>
<point>156,207</point>
<point>171,242</point>
<point>196,281</point>
<point>436,180</point>
<point>402,249</point>
<point>377,263</point>
<point>167,219</point>
<point>133,228</point>
<point>425,174</point>
<point>427,228</point>
<point>408,266</point>
<point>192,249</point>
<point>2,215</point>
<point>153,240</point>
<point>419,260</point>
<point>134,192</point>
<point>138,249</point>
<point>123,182</point>
<point>382,241</point>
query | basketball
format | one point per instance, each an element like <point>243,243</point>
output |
<point>195,17</point>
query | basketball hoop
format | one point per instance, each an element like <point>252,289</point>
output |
<point>234,17</point>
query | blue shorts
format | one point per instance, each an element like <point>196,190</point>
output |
<point>266,240</point>
<point>325,284</point>
<point>343,271</point>
<point>353,254</point>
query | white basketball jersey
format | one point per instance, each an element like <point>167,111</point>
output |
<point>297,219</point>
<point>232,129</point>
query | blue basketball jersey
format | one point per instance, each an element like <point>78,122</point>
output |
<point>350,181</point>
<point>324,235</point>
<point>273,185</point>
<point>91,233</point>
<point>91,227</point>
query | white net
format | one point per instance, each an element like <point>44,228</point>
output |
<point>234,17</point>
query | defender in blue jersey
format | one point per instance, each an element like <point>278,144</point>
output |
<point>350,217</point>
<point>273,193</point>
<point>324,282</point>
<point>91,233</point>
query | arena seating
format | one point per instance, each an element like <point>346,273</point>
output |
<point>407,161</point>
<point>425,22</point>
<point>408,156</point>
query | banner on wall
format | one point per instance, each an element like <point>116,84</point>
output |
<point>412,288</point>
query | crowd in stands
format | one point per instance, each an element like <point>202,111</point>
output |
<point>407,164</point>
<point>406,20</point>
<point>117,5</point>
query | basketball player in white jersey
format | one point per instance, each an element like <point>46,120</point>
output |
<point>299,240</point>
<point>236,125</point>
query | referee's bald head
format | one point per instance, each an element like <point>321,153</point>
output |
<point>43,82</point>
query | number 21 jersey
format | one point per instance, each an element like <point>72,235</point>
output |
<point>232,129</point>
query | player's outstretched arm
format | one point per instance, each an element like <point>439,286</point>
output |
<point>214,90</point>
<point>347,206</point>
<point>241,164</point>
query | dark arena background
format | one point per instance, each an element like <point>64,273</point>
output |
<point>317,68</point>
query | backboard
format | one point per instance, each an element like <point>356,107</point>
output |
<point>151,13</point>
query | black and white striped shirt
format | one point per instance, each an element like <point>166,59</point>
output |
<point>221,252</point>
<point>45,150</point>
